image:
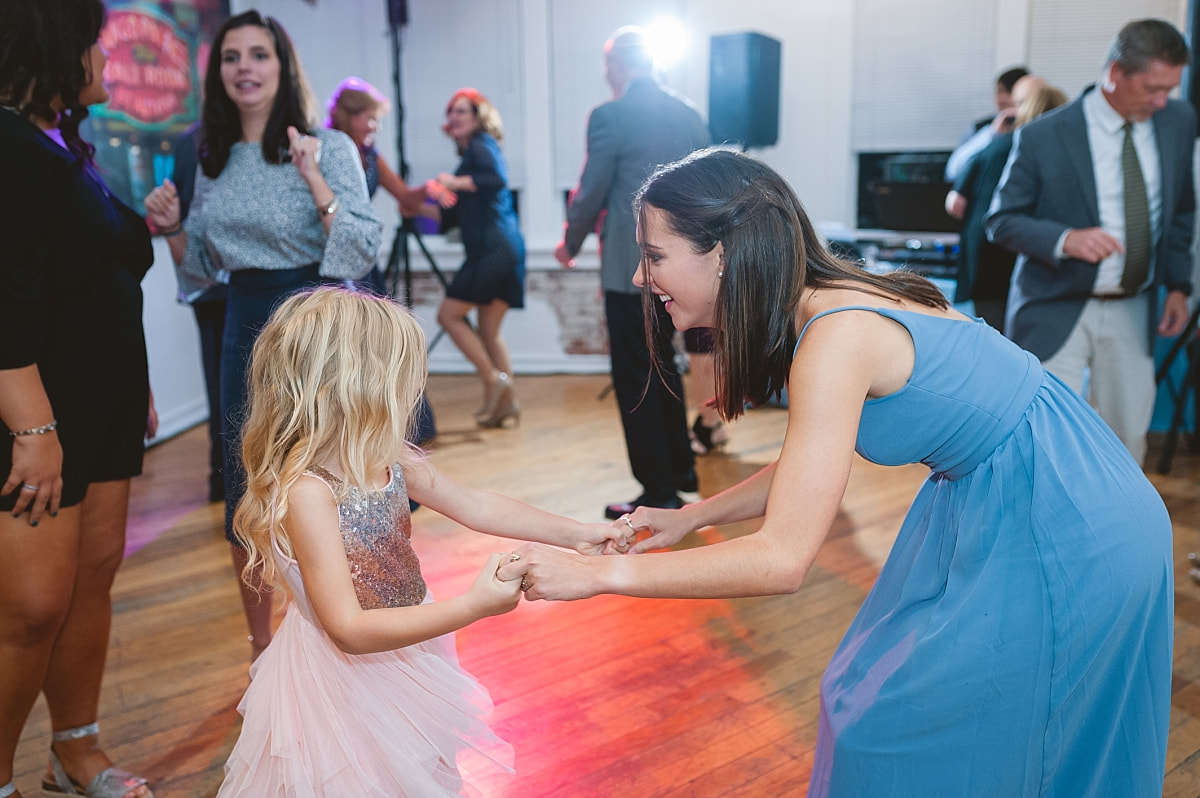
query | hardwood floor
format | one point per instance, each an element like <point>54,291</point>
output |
<point>606,697</point>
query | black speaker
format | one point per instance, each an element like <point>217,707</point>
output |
<point>743,89</point>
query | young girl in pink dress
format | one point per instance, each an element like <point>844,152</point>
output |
<point>360,692</point>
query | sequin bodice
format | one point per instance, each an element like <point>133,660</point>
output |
<point>376,528</point>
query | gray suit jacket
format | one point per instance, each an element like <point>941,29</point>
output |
<point>627,138</point>
<point>1048,186</point>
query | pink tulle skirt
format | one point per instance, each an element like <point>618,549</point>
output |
<point>320,722</point>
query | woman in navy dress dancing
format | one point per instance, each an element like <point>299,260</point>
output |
<point>492,278</point>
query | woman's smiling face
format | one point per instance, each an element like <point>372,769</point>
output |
<point>250,68</point>
<point>685,281</point>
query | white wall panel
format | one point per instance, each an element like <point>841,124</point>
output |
<point>923,71</point>
<point>1068,39</point>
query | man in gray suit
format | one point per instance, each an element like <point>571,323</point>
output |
<point>644,126</point>
<point>1098,201</point>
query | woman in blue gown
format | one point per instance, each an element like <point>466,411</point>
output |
<point>1018,639</point>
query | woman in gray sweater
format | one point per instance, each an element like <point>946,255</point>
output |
<point>281,205</point>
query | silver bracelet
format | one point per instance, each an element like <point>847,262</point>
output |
<point>42,430</point>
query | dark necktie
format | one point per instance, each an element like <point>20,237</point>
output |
<point>1137,218</point>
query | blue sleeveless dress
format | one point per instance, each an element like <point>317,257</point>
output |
<point>1018,639</point>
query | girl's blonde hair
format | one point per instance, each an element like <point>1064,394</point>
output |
<point>334,376</point>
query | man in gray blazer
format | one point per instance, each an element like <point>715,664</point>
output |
<point>644,126</point>
<point>1098,201</point>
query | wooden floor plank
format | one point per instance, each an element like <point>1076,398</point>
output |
<point>607,697</point>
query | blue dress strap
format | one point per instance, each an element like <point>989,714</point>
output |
<point>800,337</point>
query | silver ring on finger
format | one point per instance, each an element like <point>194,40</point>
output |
<point>33,488</point>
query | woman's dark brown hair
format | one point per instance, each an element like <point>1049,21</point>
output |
<point>294,104</point>
<point>771,254</point>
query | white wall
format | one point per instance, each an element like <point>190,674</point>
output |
<point>540,60</point>
<point>173,349</point>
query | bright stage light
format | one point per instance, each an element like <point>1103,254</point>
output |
<point>667,39</point>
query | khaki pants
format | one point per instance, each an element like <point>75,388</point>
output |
<point>1109,340</point>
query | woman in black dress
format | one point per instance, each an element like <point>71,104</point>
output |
<point>74,392</point>
<point>492,278</point>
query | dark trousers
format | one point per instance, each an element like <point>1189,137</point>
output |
<point>210,322</point>
<point>253,294</point>
<point>652,410</point>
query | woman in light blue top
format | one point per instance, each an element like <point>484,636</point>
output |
<point>1017,641</point>
<point>281,204</point>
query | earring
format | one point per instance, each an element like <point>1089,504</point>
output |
<point>721,273</point>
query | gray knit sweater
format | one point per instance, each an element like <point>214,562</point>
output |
<point>257,215</point>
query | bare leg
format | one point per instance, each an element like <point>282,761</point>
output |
<point>33,605</point>
<point>452,316</point>
<point>76,668</point>
<point>491,316</point>
<point>257,604</point>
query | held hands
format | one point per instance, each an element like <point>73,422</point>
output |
<point>1090,244</point>
<point>603,539</point>
<point>305,152</point>
<point>492,594</point>
<point>544,572</point>
<point>162,206</point>
<point>440,194</point>
<point>667,527</point>
<point>36,475</point>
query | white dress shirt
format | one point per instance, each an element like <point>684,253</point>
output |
<point>1106,138</point>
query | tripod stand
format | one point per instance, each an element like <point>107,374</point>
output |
<point>1180,397</point>
<point>397,19</point>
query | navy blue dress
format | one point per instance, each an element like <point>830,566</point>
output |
<point>495,264</point>
<point>1018,639</point>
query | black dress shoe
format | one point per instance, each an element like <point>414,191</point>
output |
<point>615,511</point>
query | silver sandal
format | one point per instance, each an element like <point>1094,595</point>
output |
<point>112,782</point>
<point>8,789</point>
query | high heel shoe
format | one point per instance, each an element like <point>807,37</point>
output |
<point>112,782</point>
<point>495,398</point>
<point>506,408</point>
<point>705,438</point>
